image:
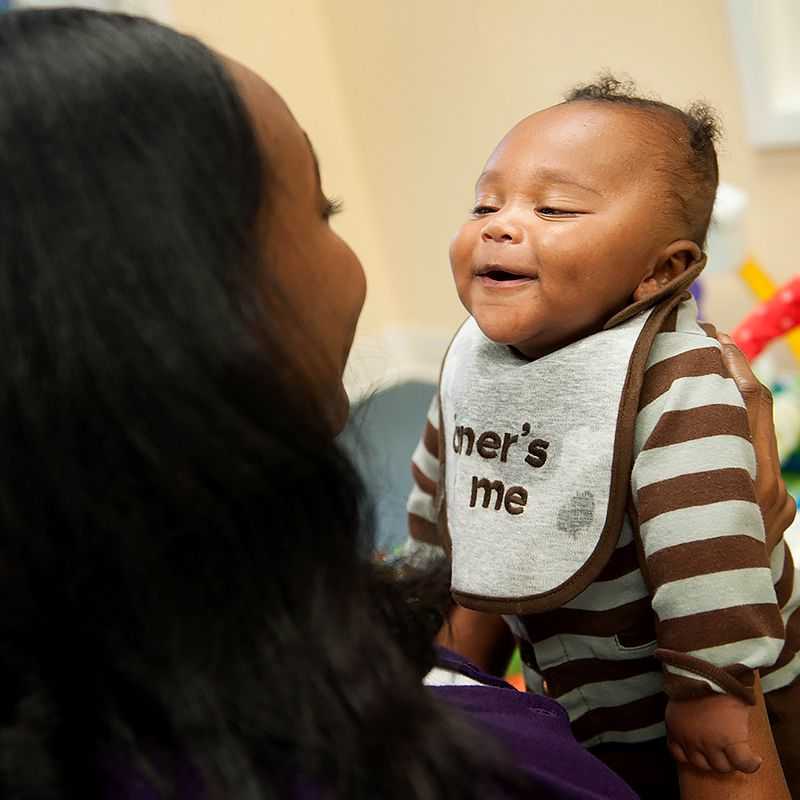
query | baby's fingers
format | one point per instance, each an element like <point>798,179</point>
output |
<point>719,761</point>
<point>678,753</point>
<point>742,757</point>
<point>698,759</point>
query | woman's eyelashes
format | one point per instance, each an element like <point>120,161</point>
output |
<point>332,207</point>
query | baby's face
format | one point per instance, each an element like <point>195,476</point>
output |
<point>568,218</point>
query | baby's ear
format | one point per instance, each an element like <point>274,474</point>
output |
<point>673,261</point>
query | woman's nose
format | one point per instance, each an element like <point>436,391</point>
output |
<point>499,228</point>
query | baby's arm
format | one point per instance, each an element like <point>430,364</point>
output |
<point>778,510</point>
<point>767,783</point>
<point>484,639</point>
<point>703,539</point>
<point>423,530</point>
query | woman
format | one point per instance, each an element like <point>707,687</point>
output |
<point>187,611</point>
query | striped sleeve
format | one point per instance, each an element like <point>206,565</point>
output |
<point>421,505</point>
<point>787,667</point>
<point>700,528</point>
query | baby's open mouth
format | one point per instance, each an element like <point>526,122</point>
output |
<point>494,274</point>
<point>502,275</point>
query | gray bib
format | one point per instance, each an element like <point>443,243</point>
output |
<point>538,461</point>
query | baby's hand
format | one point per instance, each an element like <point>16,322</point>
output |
<point>712,733</point>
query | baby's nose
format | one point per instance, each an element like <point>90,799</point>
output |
<point>500,229</point>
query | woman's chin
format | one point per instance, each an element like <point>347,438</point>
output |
<point>339,409</point>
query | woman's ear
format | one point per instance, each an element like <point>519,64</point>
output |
<point>672,262</point>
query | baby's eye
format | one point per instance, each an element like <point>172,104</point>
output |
<point>480,211</point>
<point>549,211</point>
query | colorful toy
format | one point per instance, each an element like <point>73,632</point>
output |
<point>777,316</point>
<point>728,252</point>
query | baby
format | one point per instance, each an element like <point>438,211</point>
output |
<point>587,464</point>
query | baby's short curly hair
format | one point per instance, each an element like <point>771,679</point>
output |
<point>692,167</point>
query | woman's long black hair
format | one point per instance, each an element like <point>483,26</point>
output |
<point>184,598</point>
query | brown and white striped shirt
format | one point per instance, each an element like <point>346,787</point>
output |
<point>690,602</point>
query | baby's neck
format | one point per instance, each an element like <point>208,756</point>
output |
<point>532,351</point>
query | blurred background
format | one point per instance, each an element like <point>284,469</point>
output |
<point>405,100</point>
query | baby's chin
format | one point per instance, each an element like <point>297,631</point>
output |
<point>500,330</point>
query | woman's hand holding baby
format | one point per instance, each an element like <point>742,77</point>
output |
<point>778,507</point>
<point>748,738</point>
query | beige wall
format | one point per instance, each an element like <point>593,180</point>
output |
<point>405,99</point>
<point>287,44</point>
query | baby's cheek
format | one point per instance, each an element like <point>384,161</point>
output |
<point>581,260</point>
<point>461,266</point>
<point>566,266</point>
<point>461,247</point>
<point>561,245</point>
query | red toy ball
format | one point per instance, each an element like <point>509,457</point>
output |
<point>772,319</point>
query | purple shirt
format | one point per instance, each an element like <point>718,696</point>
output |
<point>534,730</point>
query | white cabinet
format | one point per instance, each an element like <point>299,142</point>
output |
<point>766,38</point>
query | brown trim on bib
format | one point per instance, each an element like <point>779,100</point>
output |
<point>677,286</point>
<point>440,499</point>
<point>621,467</point>
<point>441,502</point>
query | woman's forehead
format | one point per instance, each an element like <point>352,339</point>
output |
<point>283,142</point>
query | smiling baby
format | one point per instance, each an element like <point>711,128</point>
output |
<point>587,465</point>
